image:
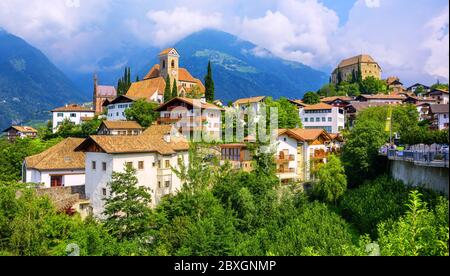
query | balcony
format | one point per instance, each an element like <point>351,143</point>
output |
<point>283,158</point>
<point>168,120</point>
<point>286,170</point>
<point>319,155</point>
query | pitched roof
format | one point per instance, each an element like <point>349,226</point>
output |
<point>439,108</point>
<point>62,156</point>
<point>153,73</point>
<point>298,102</point>
<point>319,106</point>
<point>73,108</point>
<point>145,89</point>
<point>123,99</point>
<point>121,125</point>
<point>418,84</point>
<point>106,91</point>
<point>383,97</point>
<point>167,51</point>
<point>304,134</point>
<point>185,76</point>
<point>332,99</point>
<point>190,102</point>
<point>151,141</point>
<point>438,90</point>
<point>250,100</point>
<point>23,129</point>
<point>356,60</point>
<point>360,106</point>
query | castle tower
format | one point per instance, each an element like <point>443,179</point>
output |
<point>169,64</point>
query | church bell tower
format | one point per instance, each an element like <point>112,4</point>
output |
<point>169,64</point>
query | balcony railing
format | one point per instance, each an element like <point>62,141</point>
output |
<point>440,159</point>
<point>286,170</point>
<point>286,158</point>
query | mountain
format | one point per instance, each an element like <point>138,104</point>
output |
<point>30,85</point>
<point>241,69</point>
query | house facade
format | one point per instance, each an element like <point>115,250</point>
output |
<point>323,116</point>
<point>117,107</point>
<point>249,104</point>
<point>382,98</point>
<point>153,154</point>
<point>190,116</point>
<point>349,68</point>
<point>123,128</point>
<point>440,116</point>
<point>439,95</point>
<point>20,132</point>
<point>238,155</point>
<point>75,114</point>
<point>59,166</point>
<point>102,94</point>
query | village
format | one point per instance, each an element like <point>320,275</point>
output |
<point>84,167</point>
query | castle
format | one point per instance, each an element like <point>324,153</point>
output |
<point>348,69</point>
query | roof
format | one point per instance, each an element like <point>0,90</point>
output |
<point>304,134</point>
<point>336,136</point>
<point>332,99</point>
<point>121,125</point>
<point>145,89</point>
<point>418,84</point>
<point>106,91</point>
<point>360,106</point>
<point>151,141</point>
<point>356,60</point>
<point>439,108</point>
<point>438,90</point>
<point>73,108</point>
<point>153,73</point>
<point>167,51</point>
<point>185,76</point>
<point>62,156</point>
<point>122,99</point>
<point>23,129</point>
<point>298,102</point>
<point>190,102</point>
<point>393,80</point>
<point>319,106</point>
<point>383,97</point>
<point>250,100</point>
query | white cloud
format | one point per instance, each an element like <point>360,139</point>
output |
<point>171,26</point>
<point>373,3</point>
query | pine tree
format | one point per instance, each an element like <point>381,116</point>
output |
<point>209,85</point>
<point>167,92</point>
<point>127,210</point>
<point>339,76</point>
<point>174,89</point>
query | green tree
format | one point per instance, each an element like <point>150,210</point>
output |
<point>288,114</point>
<point>420,232</point>
<point>167,90</point>
<point>328,90</point>
<point>332,180</point>
<point>127,209</point>
<point>311,98</point>
<point>348,89</point>
<point>124,83</point>
<point>438,85</point>
<point>209,85</point>
<point>174,89</point>
<point>419,90</point>
<point>142,112</point>
<point>371,85</point>
<point>91,127</point>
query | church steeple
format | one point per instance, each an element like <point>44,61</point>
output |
<point>169,64</point>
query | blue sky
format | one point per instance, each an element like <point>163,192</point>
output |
<point>408,38</point>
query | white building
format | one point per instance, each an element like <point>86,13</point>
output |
<point>323,116</point>
<point>439,95</point>
<point>189,115</point>
<point>286,156</point>
<point>247,104</point>
<point>382,98</point>
<point>152,154</point>
<point>59,166</point>
<point>74,113</point>
<point>116,108</point>
<point>440,113</point>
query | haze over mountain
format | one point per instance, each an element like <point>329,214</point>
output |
<point>30,85</point>
<point>240,68</point>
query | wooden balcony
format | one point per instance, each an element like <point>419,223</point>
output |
<point>285,158</point>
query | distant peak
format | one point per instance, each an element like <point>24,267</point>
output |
<point>3,31</point>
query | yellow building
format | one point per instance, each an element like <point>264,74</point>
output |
<point>350,67</point>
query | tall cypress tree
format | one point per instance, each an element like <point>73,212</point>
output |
<point>167,93</point>
<point>174,89</point>
<point>209,85</point>
<point>124,83</point>
<point>360,78</point>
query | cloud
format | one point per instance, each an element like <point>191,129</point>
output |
<point>171,26</point>
<point>298,30</point>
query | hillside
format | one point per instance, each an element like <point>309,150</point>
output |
<point>30,85</point>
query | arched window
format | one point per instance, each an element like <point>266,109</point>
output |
<point>173,63</point>
<point>164,64</point>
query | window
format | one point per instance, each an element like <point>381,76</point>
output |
<point>60,115</point>
<point>330,119</point>
<point>154,164</point>
<point>104,191</point>
<point>104,166</point>
<point>159,184</point>
<point>141,165</point>
<point>285,139</point>
<point>317,119</point>
<point>324,119</point>
<point>306,119</point>
<point>94,165</point>
<point>56,181</point>
<point>173,63</point>
<point>73,115</point>
<point>167,164</point>
<point>167,184</point>
<point>164,64</point>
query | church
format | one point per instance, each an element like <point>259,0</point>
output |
<point>153,85</point>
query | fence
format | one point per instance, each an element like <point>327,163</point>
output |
<point>424,157</point>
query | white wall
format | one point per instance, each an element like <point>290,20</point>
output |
<point>442,120</point>
<point>334,121</point>
<point>67,115</point>
<point>70,178</point>
<point>116,112</point>
<point>97,180</point>
<point>290,144</point>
